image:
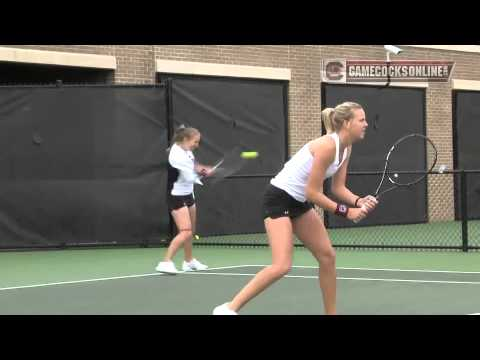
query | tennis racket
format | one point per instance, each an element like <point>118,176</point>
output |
<point>404,164</point>
<point>231,163</point>
<point>407,163</point>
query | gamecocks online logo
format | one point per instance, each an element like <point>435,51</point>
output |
<point>334,70</point>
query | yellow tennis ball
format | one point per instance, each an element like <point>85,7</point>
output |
<point>249,154</point>
<point>197,237</point>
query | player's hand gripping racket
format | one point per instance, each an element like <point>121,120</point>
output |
<point>202,175</point>
<point>408,162</point>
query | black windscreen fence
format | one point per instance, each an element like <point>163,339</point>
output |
<point>82,165</point>
<point>87,165</point>
<point>250,114</point>
<point>466,127</point>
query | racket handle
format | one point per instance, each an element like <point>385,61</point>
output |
<point>357,221</point>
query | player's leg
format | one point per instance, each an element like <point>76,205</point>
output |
<point>190,263</point>
<point>187,246</point>
<point>279,232</point>
<point>181,216</point>
<point>310,229</point>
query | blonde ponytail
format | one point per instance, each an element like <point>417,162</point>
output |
<point>327,119</point>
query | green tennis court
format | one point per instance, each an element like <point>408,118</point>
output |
<point>122,281</point>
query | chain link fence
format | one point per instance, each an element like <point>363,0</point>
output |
<point>450,220</point>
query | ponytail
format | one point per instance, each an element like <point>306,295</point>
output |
<point>327,119</point>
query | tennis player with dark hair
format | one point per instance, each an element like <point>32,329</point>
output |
<point>289,205</point>
<point>183,173</point>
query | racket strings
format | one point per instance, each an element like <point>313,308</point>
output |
<point>411,160</point>
<point>232,162</point>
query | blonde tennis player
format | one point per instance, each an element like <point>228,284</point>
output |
<point>289,205</point>
<point>184,172</point>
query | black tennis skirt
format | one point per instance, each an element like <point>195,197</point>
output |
<point>278,203</point>
<point>176,202</point>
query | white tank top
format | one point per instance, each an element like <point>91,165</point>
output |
<point>294,175</point>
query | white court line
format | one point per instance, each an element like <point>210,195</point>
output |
<point>376,269</point>
<point>413,270</point>
<point>104,279</point>
<point>206,272</point>
<point>414,281</point>
<point>474,314</point>
<point>344,278</point>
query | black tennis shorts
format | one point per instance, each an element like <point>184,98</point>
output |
<point>278,203</point>
<point>176,202</point>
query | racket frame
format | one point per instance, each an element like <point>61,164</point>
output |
<point>397,185</point>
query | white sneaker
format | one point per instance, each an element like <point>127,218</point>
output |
<point>193,265</point>
<point>223,310</point>
<point>167,267</point>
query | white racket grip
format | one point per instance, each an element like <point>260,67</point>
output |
<point>357,221</point>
